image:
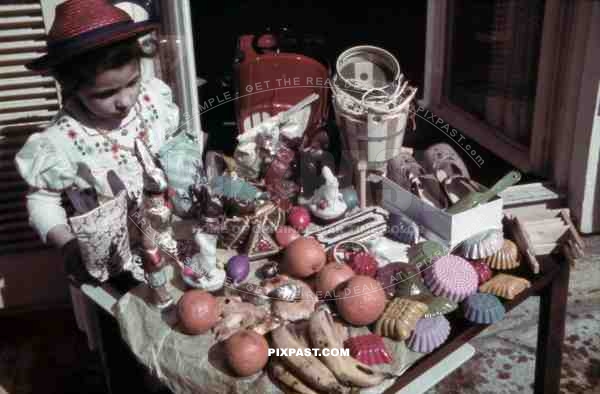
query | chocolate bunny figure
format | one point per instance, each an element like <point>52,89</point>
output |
<point>206,207</point>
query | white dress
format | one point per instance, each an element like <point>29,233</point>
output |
<point>51,161</point>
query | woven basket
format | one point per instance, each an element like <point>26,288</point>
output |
<point>371,104</point>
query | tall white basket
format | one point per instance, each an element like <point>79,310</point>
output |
<point>371,102</point>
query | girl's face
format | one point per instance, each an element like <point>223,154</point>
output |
<point>113,93</point>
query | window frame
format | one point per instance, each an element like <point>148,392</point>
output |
<point>526,158</point>
<point>566,121</point>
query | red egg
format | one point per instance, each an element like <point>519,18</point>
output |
<point>285,235</point>
<point>299,218</point>
<point>360,300</point>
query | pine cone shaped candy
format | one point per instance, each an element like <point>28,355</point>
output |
<point>364,264</point>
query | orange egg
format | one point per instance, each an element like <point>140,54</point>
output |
<point>198,311</point>
<point>360,300</point>
<point>247,352</point>
<point>304,257</point>
<point>330,277</point>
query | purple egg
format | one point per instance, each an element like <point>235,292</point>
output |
<point>238,268</point>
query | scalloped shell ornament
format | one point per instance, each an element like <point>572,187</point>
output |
<point>506,258</point>
<point>481,245</point>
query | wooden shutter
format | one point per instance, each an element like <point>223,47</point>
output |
<point>27,103</point>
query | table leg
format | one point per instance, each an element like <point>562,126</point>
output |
<point>551,332</point>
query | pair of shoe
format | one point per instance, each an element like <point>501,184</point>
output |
<point>440,181</point>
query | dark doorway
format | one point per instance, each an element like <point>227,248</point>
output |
<point>399,28</point>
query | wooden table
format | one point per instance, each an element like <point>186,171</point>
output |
<point>124,373</point>
<point>552,286</point>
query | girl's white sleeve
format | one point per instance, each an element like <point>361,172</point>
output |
<point>45,211</point>
<point>47,172</point>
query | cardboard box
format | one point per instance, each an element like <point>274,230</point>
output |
<point>436,224</point>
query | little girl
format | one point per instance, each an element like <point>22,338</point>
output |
<point>94,54</point>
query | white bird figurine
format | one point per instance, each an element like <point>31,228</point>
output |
<point>327,202</point>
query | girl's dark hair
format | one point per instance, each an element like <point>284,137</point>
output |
<point>81,70</point>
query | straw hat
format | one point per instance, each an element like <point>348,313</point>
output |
<point>81,25</point>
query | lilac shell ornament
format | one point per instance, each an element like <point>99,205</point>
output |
<point>429,334</point>
<point>482,308</point>
<point>452,277</point>
<point>403,229</point>
<point>238,268</point>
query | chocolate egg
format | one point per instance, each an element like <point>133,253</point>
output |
<point>197,311</point>
<point>392,274</point>
<point>299,218</point>
<point>284,235</point>
<point>330,277</point>
<point>361,300</point>
<point>303,257</point>
<point>247,352</point>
